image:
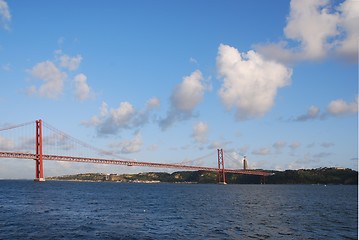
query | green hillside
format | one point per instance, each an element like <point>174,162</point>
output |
<point>302,176</point>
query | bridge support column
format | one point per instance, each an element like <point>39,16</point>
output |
<point>39,174</point>
<point>221,172</point>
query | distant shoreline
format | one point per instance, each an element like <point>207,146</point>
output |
<point>301,176</point>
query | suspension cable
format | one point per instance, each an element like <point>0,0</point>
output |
<point>16,126</point>
<point>83,144</point>
<point>194,160</point>
<point>230,157</point>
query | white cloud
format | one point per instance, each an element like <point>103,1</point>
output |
<point>278,51</point>
<point>185,97</point>
<point>142,116</point>
<point>250,82</point>
<point>311,23</point>
<point>125,116</point>
<point>152,103</point>
<point>122,115</point>
<point>188,93</point>
<point>53,80</point>
<point>315,29</point>
<point>335,108</point>
<point>348,47</point>
<point>71,63</point>
<point>200,131</point>
<point>312,113</point>
<point>110,121</point>
<point>339,107</point>
<point>103,109</point>
<point>82,89</point>
<point>5,15</point>
<point>128,146</point>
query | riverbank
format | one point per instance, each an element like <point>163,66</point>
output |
<point>302,176</point>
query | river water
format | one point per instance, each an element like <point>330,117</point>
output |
<point>104,210</point>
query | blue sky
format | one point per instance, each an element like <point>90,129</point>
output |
<point>168,81</point>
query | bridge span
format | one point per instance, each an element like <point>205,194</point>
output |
<point>33,156</point>
<point>39,157</point>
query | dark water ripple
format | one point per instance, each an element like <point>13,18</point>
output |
<point>70,210</point>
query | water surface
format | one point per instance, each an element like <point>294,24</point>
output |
<point>87,210</point>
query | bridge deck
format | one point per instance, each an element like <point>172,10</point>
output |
<point>126,163</point>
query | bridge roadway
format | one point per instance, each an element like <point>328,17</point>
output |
<point>126,163</point>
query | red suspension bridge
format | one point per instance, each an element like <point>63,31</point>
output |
<point>23,147</point>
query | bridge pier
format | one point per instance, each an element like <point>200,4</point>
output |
<point>39,179</point>
<point>39,170</point>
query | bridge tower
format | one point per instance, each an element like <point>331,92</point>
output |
<point>221,171</point>
<point>39,177</point>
